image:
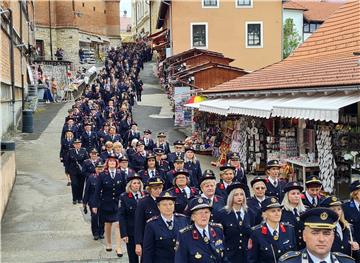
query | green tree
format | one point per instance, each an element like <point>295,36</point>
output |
<point>292,38</point>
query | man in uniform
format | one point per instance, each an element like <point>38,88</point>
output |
<point>124,167</point>
<point>311,197</point>
<point>89,165</point>
<point>148,142</point>
<point>77,156</point>
<point>274,186</point>
<point>226,178</point>
<point>319,236</point>
<point>202,241</point>
<point>239,172</point>
<point>162,165</point>
<point>161,231</point>
<point>89,138</point>
<point>178,153</point>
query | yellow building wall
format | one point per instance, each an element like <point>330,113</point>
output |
<point>226,30</point>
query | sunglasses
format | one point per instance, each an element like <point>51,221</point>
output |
<point>259,188</point>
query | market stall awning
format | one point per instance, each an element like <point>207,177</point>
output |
<point>314,107</point>
<point>195,105</point>
<point>217,106</point>
<point>324,108</point>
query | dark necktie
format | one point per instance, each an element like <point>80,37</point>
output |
<point>152,174</point>
<point>136,196</point>
<point>275,184</point>
<point>313,201</point>
<point>295,212</point>
<point>323,261</point>
<point>204,233</point>
<point>112,174</point>
<point>169,224</point>
<point>238,215</point>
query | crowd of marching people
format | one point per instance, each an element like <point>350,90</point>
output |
<point>167,209</point>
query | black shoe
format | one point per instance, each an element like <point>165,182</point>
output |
<point>74,202</point>
<point>79,201</point>
<point>108,249</point>
<point>68,184</point>
<point>119,254</point>
<point>96,237</point>
<point>101,236</point>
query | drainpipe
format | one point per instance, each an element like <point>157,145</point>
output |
<point>21,59</point>
<point>51,43</point>
<point>12,69</point>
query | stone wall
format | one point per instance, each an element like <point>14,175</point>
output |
<point>8,173</point>
<point>68,39</point>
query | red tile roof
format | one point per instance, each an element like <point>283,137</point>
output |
<point>319,11</point>
<point>293,5</point>
<point>325,59</point>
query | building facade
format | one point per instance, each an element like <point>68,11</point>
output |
<point>16,46</point>
<point>141,14</point>
<point>71,25</point>
<point>250,31</point>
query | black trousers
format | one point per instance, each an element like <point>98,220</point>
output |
<point>77,186</point>
<point>130,246</point>
<point>97,224</point>
<point>138,95</point>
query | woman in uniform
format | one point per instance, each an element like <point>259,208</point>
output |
<point>128,203</point>
<point>293,208</point>
<point>201,241</point>
<point>111,185</point>
<point>191,163</point>
<point>236,221</point>
<point>182,191</point>
<point>161,231</point>
<point>270,239</point>
<point>352,209</point>
<point>118,150</point>
<point>226,178</point>
<point>66,145</point>
<point>344,240</point>
<point>254,203</point>
<point>97,227</point>
<point>146,209</point>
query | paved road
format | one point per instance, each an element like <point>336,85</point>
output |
<point>41,224</point>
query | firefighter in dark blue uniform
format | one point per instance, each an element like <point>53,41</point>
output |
<point>201,241</point>
<point>97,226</point>
<point>352,209</point>
<point>182,191</point>
<point>66,144</point>
<point>146,209</point>
<point>178,153</point>
<point>161,231</point>
<point>207,188</point>
<point>162,143</point>
<point>109,188</point>
<point>236,221</point>
<point>258,185</point>
<point>271,239</point>
<point>150,169</point>
<point>77,156</point>
<point>148,142</point>
<point>226,178</point>
<point>124,167</point>
<point>344,240</point>
<point>169,176</point>
<point>274,186</point>
<point>128,203</point>
<point>90,164</point>
<point>191,163</point>
<point>161,164</point>
<point>311,197</point>
<point>138,161</point>
<point>293,208</point>
<point>318,236</point>
<point>239,171</point>
<point>89,138</point>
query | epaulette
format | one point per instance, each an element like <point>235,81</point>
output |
<point>186,229</point>
<point>216,225</point>
<point>338,254</point>
<point>152,218</point>
<point>178,214</point>
<point>290,254</point>
<point>256,227</point>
